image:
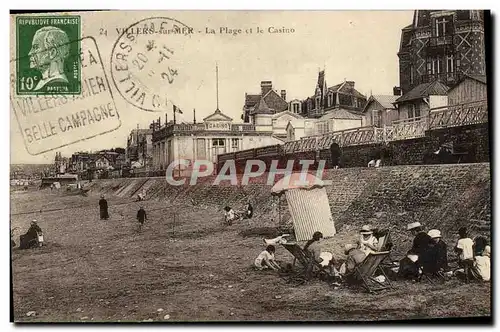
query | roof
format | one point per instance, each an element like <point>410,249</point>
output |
<point>424,90</point>
<point>386,101</point>
<point>217,116</point>
<point>262,108</point>
<point>99,156</point>
<point>341,113</point>
<point>479,78</point>
<point>348,88</point>
<point>295,115</point>
<point>251,100</point>
<point>335,87</point>
<point>297,181</point>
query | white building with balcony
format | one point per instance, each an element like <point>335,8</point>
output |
<point>217,134</point>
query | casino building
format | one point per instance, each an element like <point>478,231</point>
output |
<point>217,134</point>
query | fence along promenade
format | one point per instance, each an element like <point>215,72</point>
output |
<point>441,117</point>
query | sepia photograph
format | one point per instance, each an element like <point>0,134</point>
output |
<point>250,166</point>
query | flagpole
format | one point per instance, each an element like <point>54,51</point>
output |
<point>217,83</point>
<point>174,113</point>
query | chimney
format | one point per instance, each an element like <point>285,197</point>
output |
<point>265,87</point>
<point>283,94</point>
<point>397,91</point>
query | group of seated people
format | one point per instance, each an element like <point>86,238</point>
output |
<point>230,215</point>
<point>428,254</point>
<point>355,253</point>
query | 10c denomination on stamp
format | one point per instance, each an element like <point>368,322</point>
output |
<point>48,56</point>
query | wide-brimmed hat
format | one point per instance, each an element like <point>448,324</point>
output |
<point>366,229</point>
<point>413,225</point>
<point>434,233</point>
<point>349,247</point>
<point>487,251</point>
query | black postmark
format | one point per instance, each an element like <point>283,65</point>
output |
<point>145,67</point>
<point>49,122</point>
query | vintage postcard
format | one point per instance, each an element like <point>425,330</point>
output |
<point>214,166</point>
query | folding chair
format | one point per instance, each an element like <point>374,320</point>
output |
<point>383,241</point>
<point>363,273</point>
<point>309,265</point>
<point>383,245</point>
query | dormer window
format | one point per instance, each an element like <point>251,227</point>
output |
<point>330,99</point>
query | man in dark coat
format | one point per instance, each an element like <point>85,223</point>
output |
<point>141,217</point>
<point>335,154</point>
<point>103,208</point>
<point>409,266</point>
<point>435,258</point>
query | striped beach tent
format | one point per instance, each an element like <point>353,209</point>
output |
<point>308,204</point>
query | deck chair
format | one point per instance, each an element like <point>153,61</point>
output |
<point>383,241</point>
<point>385,244</point>
<point>308,265</point>
<point>364,273</point>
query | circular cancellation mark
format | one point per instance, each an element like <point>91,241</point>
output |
<point>147,62</point>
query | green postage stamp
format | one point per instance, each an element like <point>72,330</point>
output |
<point>48,55</point>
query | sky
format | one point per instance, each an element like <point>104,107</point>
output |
<point>359,46</point>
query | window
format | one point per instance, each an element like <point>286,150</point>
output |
<point>317,102</point>
<point>218,142</point>
<point>413,111</point>
<point>450,65</point>
<point>429,67</point>
<point>376,118</point>
<point>435,65</point>
<point>309,105</point>
<point>412,78</point>
<point>235,143</point>
<point>330,99</point>
<point>442,26</point>
<point>295,108</point>
<point>322,128</point>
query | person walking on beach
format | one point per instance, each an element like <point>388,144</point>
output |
<point>141,217</point>
<point>103,208</point>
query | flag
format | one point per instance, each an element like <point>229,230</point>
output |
<point>177,109</point>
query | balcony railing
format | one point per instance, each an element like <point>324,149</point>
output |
<point>407,129</point>
<point>459,115</point>
<point>189,127</point>
<point>243,127</point>
<point>438,41</point>
<point>443,77</point>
